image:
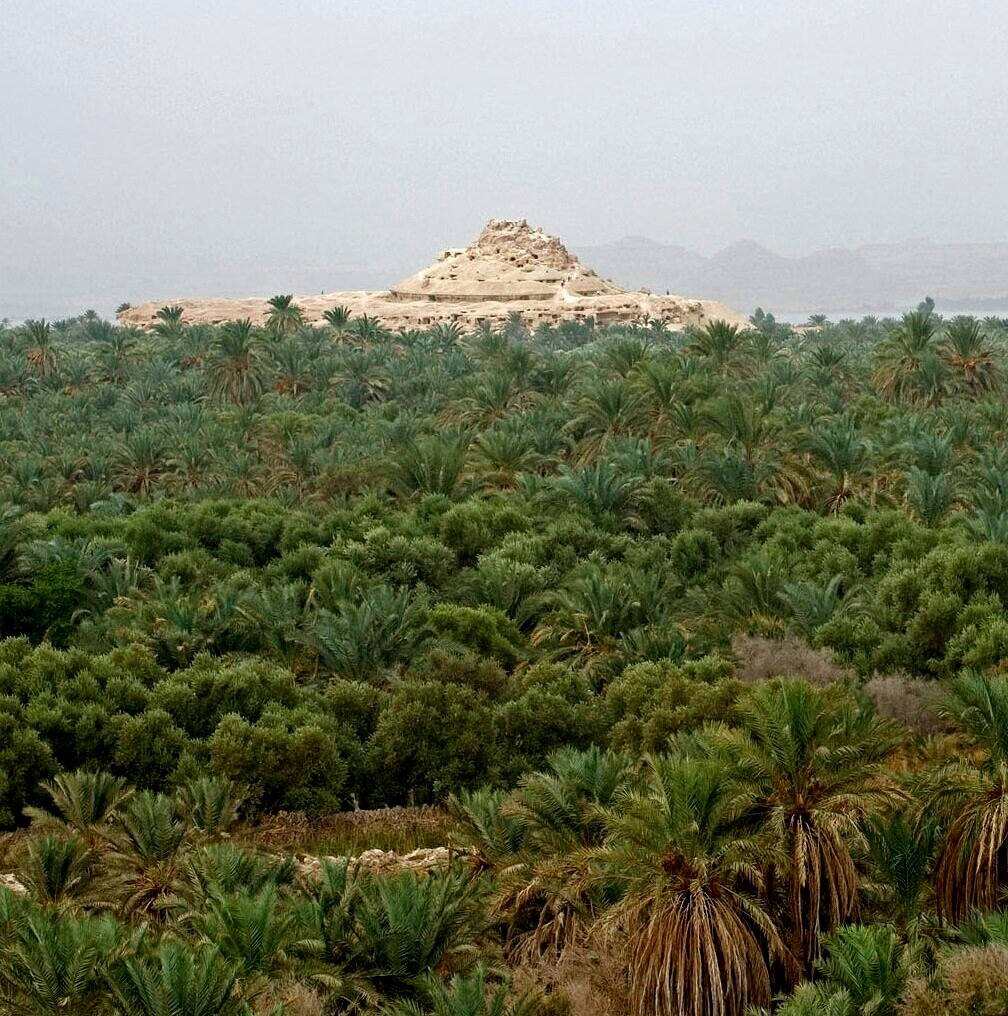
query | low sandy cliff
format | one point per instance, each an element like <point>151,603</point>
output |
<point>510,267</point>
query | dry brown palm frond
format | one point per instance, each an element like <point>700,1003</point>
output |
<point>547,908</point>
<point>593,979</point>
<point>701,951</point>
<point>972,867</point>
<point>823,884</point>
<point>972,801</point>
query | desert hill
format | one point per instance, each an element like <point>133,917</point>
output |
<point>874,277</point>
<point>511,267</point>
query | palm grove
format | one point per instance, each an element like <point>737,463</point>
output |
<point>697,640</point>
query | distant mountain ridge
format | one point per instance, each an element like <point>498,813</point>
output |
<point>876,277</point>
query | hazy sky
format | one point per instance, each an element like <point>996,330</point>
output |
<point>156,149</point>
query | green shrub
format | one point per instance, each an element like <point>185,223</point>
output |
<point>286,759</point>
<point>45,608</point>
<point>482,629</point>
<point>553,707</point>
<point>25,763</point>
<point>649,703</point>
<point>432,740</point>
<point>457,665</point>
<point>148,748</point>
<point>473,527</point>
<point>198,697</point>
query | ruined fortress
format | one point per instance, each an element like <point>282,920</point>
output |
<point>511,267</point>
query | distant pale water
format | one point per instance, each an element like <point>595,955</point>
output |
<point>799,317</point>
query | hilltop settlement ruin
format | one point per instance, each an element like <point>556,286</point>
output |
<point>510,267</point>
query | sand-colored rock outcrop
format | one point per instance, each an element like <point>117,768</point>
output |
<point>511,267</point>
<point>9,882</point>
<point>422,861</point>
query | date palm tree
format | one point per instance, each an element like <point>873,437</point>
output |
<point>361,375</point>
<point>743,424</point>
<point>284,316</point>
<point>699,940</point>
<point>497,834</point>
<point>969,357</point>
<point>755,590</point>
<point>813,763</point>
<point>256,936</point>
<point>433,465</point>
<point>168,322</point>
<point>811,604</point>
<point>550,819</point>
<point>554,375</point>
<point>42,354</point>
<point>658,381</point>
<point>391,930</point>
<point>176,979</point>
<point>209,805</point>
<point>11,535</point>
<point>559,806</point>
<point>140,461</point>
<point>904,357</point>
<point>766,350</point>
<point>61,872</point>
<point>600,490</point>
<point>293,367</point>
<point>729,474</point>
<point>236,368</point>
<point>446,334</point>
<point>865,970</point>
<point>486,399</point>
<point>931,451</point>
<point>222,869</point>
<point>193,459</point>
<point>501,454</point>
<point>86,804</point>
<point>719,342</point>
<point>901,849</point>
<point>829,364</point>
<point>147,860</point>
<point>58,964</point>
<point>839,448</point>
<point>971,800</point>
<point>930,496</point>
<point>365,330</point>
<point>13,374</point>
<point>605,410</point>
<point>337,318</point>
<point>622,355</point>
<point>371,636</point>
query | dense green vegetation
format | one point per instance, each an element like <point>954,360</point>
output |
<point>701,636</point>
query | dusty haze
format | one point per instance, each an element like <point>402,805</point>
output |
<point>237,148</point>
